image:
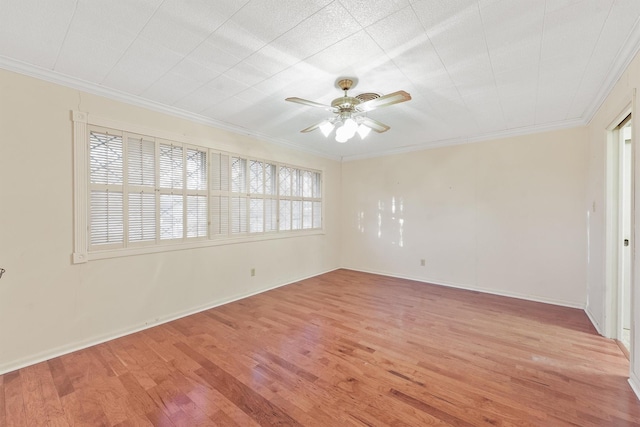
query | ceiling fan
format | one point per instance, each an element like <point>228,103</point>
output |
<point>350,112</point>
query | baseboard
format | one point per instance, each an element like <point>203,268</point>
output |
<point>570,304</point>
<point>593,320</point>
<point>634,382</point>
<point>623,349</point>
<point>70,348</point>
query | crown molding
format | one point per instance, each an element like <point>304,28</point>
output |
<point>522,131</point>
<point>116,95</point>
<point>619,65</point>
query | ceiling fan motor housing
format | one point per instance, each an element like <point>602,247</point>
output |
<point>345,103</point>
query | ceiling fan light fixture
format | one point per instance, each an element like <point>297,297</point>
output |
<point>363,131</point>
<point>341,137</point>
<point>347,130</point>
<point>326,128</point>
<point>350,126</point>
<point>342,133</point>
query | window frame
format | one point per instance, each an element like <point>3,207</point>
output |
<point>84,251</point>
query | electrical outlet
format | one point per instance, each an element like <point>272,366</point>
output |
<point>253,272</point>
<point>423,262</point>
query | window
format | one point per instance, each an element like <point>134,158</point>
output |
<point>143,191</point>
<point>300,199</point>
<point>249,205</point>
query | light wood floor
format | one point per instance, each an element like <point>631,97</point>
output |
<point>341,349</point>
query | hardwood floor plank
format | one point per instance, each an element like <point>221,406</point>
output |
<point>14,403</point>
<point>32,396</point>
<point>3,413</point>
<point>61,380</point>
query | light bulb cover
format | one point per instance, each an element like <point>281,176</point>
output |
<point>326,128</point>
<point>351,126</point>
<point>363,131</point>
<point>342,132</point>
<point>341,138</point>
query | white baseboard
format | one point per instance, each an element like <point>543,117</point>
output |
<point>534,298</point>
<point>634,382</point>
<point>70,348</point>
<point>593,321</point>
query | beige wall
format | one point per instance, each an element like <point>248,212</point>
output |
<point>504,216</point>
<point>48,305</point>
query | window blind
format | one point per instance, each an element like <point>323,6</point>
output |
<point>106,219</point>
<point>146,191</point>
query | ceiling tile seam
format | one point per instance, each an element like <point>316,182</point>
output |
<point>66,34</point>
<point>132,42</point>
<point>303,60</point>
<point>618,66</point>
<point>439,59</point>
<point>535,103</point>
<point>584,71</point>
<point>493,73</point>
<point>54,77</point>
<point>193,50</point>
<point>375,22</point>
<point>307,57</point>
<point>426,99</point>
<point>223,99</point>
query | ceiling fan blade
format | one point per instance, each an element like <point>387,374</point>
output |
<point>310,103</point>
<point>375,125</point>
<point>313,127</point>
<point>385,100</point>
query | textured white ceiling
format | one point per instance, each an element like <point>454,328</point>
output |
<point>475,68</point>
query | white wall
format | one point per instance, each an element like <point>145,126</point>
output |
<point>504,216</point>
<point>48,305</point>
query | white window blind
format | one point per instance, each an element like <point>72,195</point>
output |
<point>107,222</point>
<point>106,158</point>
<point>219,195</point>
<point>238,215</point>
<point>263,196</point>
<point>142,217</point>
<point>171,166</point>
<point>239,199</point>
<point>300,199</point>
<point>285,215</point>
<point>171,216</point>
<point>106,177</point>
<point>197,194</point>
<point>141,160</point>
<point>146,191</point>
<point>141,180</point>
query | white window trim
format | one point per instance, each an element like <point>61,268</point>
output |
<point>81,253</point>
<point>81,187</point>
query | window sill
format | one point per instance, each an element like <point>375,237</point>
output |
<point>195,244</point>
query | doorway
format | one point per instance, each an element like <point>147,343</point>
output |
<point>620,210</point>
<point>624,302</point>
